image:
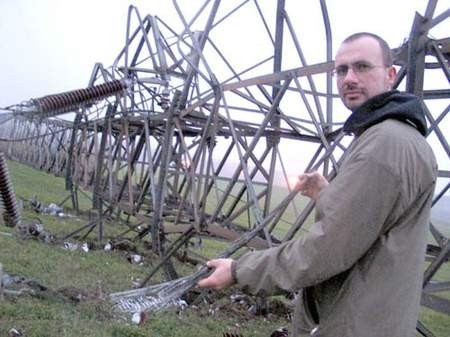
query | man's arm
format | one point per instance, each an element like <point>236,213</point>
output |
<point>309,184</point>
<point>354,210</point>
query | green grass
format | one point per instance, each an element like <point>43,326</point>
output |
<point>41,318</point>
<point>99,273</point>
<point>437,322</point>
<point>29,183</point>
<point>96,273</point>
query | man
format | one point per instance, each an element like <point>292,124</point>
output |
<point>358,271</point>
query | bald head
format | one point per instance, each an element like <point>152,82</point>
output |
<point>384,47</point>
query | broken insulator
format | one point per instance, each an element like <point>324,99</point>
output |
<point>11,214</point>
<point>68,101</point>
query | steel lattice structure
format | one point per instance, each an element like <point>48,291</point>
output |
<point>190,138</point>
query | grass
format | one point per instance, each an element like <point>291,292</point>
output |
<point>98,273</point>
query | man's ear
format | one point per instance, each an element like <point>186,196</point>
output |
<point>391,74</point>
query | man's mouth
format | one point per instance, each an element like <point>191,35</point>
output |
<point>352,93</point>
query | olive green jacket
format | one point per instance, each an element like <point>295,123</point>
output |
<point>358,271</point>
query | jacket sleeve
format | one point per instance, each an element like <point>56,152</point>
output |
<point>353,211</point>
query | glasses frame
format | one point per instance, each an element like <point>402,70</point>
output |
<point>358,68</point>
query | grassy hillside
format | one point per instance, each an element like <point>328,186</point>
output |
<point>75,301</point>
<point>91,276</point>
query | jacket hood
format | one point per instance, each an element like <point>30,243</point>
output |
<point>392,104</point>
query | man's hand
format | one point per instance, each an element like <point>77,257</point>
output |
<point>310,184</point>
<point>221,276</point>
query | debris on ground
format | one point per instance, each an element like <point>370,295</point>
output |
<point>139,318</point>
<point>51,209</point>
<point>76,295</point>
<point>74,246</point>
<point>281,332</point>
<point>85,247</point>
<point>135,259</point>
<point>121,244</point>
<point>13,332</point>
<point>16,285</point>
<point>146,303</point>
<point>134,304</point>
<point>34,230</point>
<point>70,246</point>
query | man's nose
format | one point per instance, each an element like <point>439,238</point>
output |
<point>350,76</point>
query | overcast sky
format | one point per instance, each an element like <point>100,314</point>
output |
<point>49,46</point>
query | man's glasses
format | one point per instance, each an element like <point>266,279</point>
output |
<point>359,67</point>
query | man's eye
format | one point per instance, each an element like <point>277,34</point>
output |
<point>362,67</point>
<point>341,71</point>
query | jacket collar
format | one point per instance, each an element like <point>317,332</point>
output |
<point>405,107</point>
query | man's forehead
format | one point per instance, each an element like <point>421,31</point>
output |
<point>361,49</point>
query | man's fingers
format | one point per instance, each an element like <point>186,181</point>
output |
<point>212,263</point>
<point>203,283</point>
<point>221,275</point>
<point>302,181</point>
<point>210,282</point>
